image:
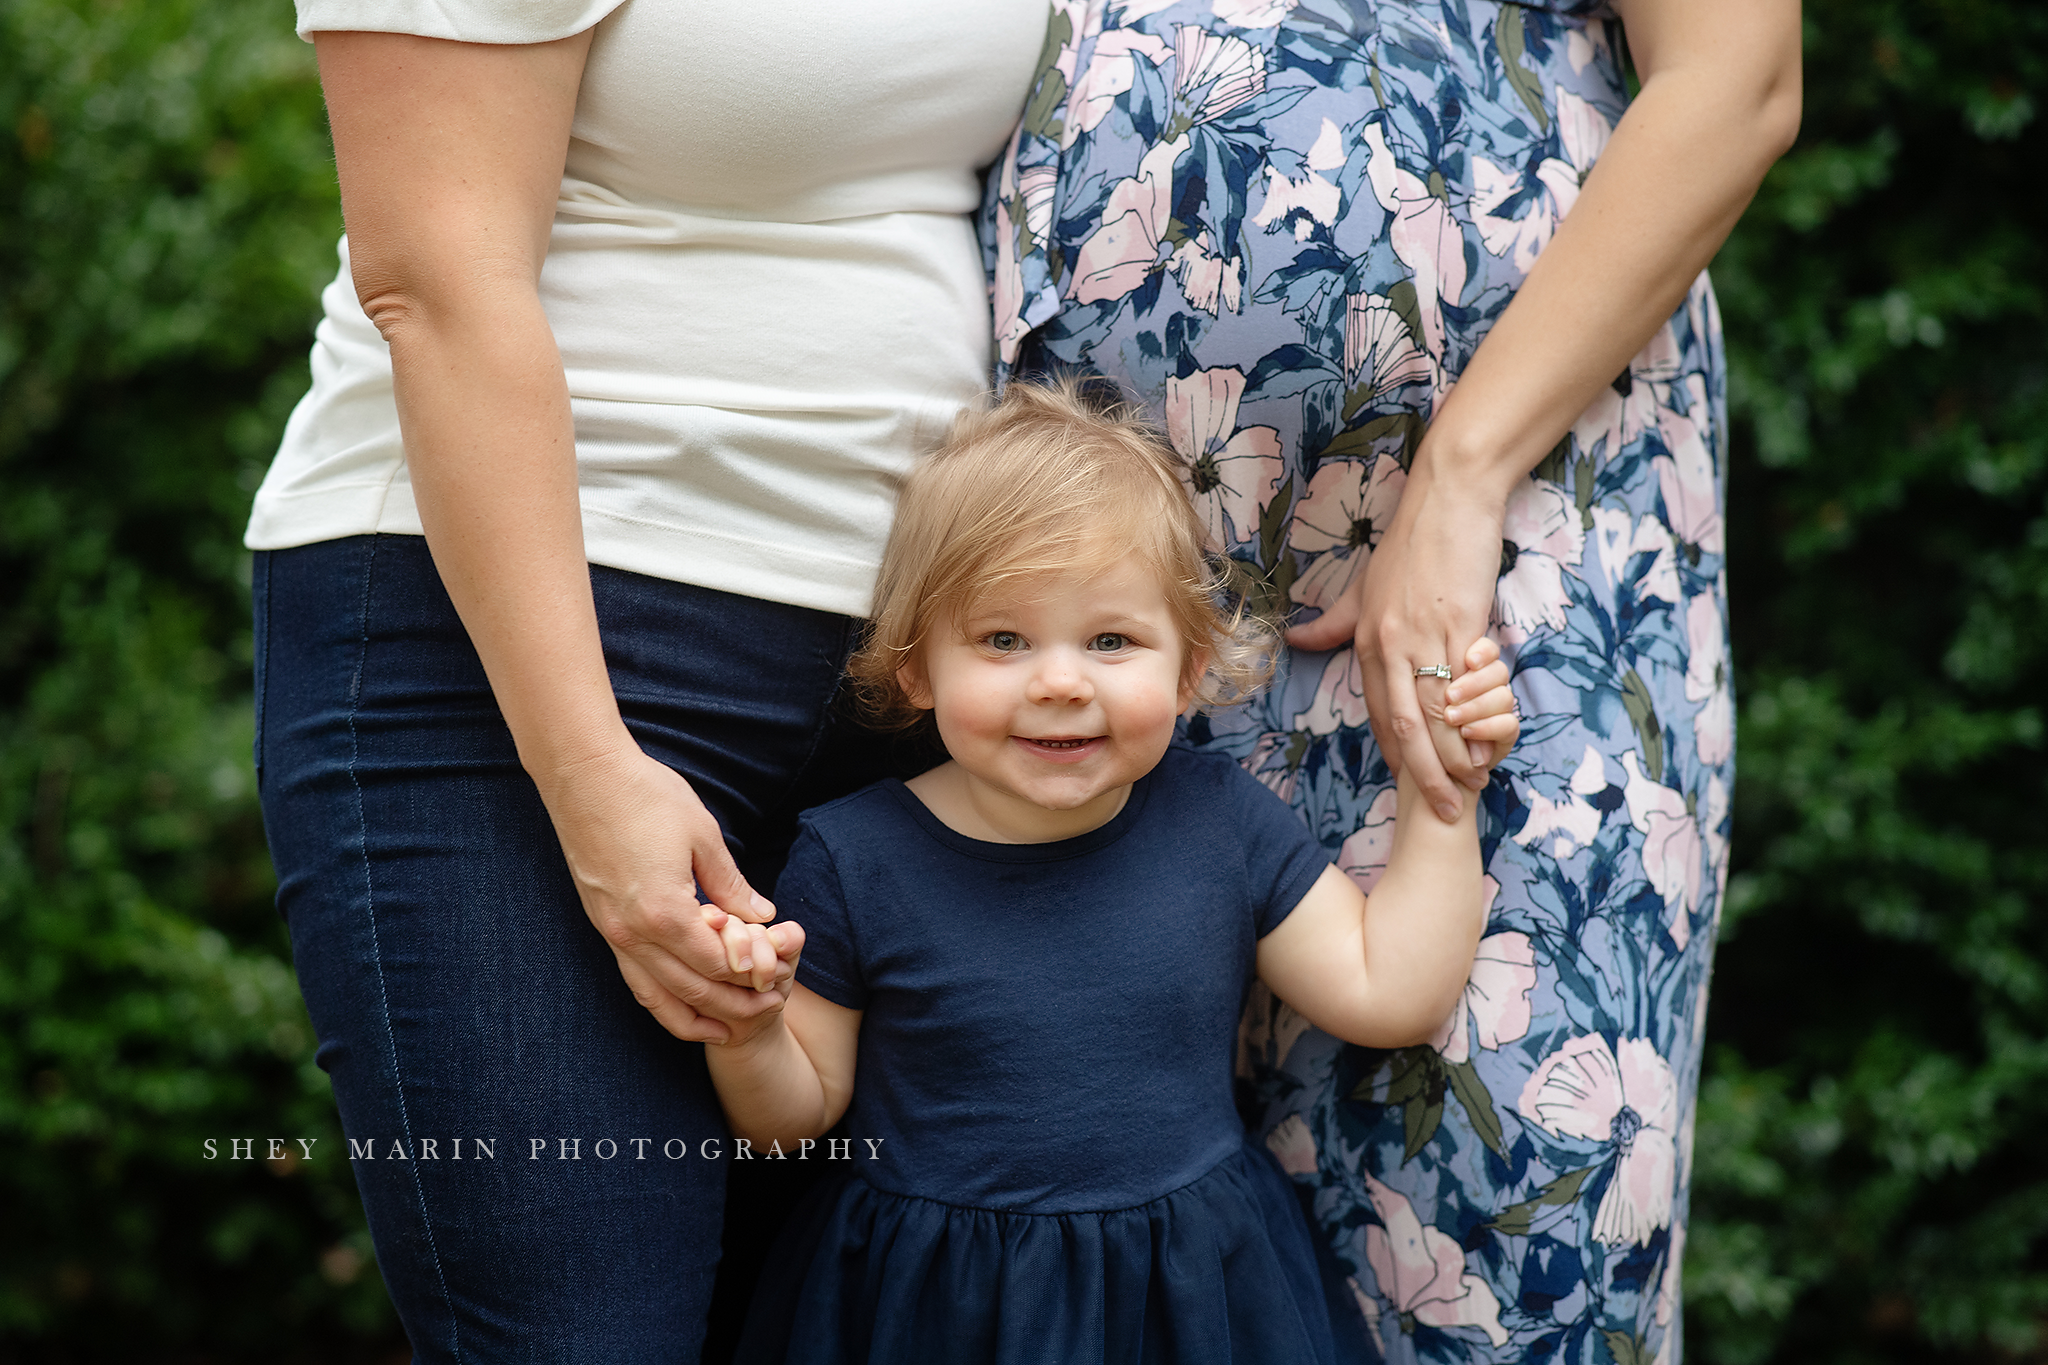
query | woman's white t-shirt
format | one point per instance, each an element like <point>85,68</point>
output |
<point>765,289</point>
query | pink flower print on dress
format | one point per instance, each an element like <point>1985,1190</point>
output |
<point>1618,540</point>
<point>1671,846</point>
<point>1584,45</point>
<point>1118,256</point>
<point>1717,860</point>
<point>1231,473</point>
<point>1424,235</point>
<point>1421,1270</point>
<point>1668,1284</point>
<point>1517,216</point>
<point>1311,200</point>
<point>1111,72</point>
<point>1214,73</point>
<point>1268,1031</point>
<point>1007,286</point>
<point>1630,406</point>
<point>1624,1098</point>
<point>1337,523</point>
<point>1275,760</point>
<point>1496,193</point>
<point>1572,819</point>
<point>1254,13</point>
<point>1541,534</point>
<point>1364,855</point>
<point>1380,354</point>
<point>1686,474</point>
<point>1339,703</point>
<point>1293,1146</point>
<point>1131,11</point>
<point>1495,1003</point>
<point>1206,280</point>
<point>1706,680</point>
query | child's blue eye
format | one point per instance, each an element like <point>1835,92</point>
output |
<point>1108,644</point>
<point>1005,641</point>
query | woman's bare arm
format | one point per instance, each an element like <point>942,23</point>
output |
<point>450,158</point>
<point>1719,103</point>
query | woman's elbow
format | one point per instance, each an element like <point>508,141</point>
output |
<point>1779,112</point>
<point>445,293</point>
<point>391,310</point>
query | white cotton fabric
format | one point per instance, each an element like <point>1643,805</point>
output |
<point>467,21</point>
<point>766,292</point>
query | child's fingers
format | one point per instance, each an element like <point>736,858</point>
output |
<point>788,941</point>
<point>766,962</point>
<point>1482,679</point>
<point>1487,694</point>
<point>754,954</point>
<point>1491,718</point>
<point>773,950</point>
<point>1500,731</point>
<point>736,936</point>
<point>1483,652</point>
<point>1495,701</point>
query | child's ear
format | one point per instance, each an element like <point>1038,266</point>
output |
<point>910,677</point>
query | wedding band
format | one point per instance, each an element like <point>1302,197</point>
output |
<point>1434,671</point>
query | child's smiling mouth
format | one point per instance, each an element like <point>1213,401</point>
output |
<point>1069,748</point>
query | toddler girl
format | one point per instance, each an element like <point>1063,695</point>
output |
<point>1021,973</point>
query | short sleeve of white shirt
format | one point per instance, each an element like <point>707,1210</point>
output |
<point>465,21</point>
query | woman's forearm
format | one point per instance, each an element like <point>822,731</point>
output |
<point>491,452</point>
<point>451,157</point>
<point>1719,103</point>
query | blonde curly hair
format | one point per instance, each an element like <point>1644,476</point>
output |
<point>1049,481</point>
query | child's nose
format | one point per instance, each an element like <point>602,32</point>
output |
<point>1059,679</point>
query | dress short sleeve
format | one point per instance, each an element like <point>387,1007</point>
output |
<point>810,893</point>
<point>465,21</point>
<point>1281,856</point>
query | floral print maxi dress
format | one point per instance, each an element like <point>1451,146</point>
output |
<point>1287,224</point>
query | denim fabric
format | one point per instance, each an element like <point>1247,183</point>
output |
<point>456,986</point>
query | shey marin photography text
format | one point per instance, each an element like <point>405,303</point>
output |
<point>276,1149</point>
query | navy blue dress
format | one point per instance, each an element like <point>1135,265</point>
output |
<point>1045,1061</point>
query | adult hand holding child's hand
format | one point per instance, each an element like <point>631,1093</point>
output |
<point>1427,590</point>
<point>643,850</point>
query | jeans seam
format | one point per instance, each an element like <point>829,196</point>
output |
<point>377,947</point>
<point>261,566</point>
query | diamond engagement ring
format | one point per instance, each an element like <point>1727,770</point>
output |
<point>1434,671</point>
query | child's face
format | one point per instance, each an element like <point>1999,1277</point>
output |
<point>1060,697</point>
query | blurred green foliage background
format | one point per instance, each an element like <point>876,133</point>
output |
<point>1869,1185</point>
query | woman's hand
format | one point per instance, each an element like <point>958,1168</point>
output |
<point>657,881</point>
<point>1425,596</point>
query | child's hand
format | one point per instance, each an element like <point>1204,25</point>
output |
<point>1481,706</point>
<point>765,955</point>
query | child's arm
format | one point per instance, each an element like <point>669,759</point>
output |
<point>1386,971</point>
<point>791,1076</point>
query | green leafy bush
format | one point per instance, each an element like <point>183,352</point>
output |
<point>167,213</point>
<point>1867,1188</point>
<point>1875,1107</point>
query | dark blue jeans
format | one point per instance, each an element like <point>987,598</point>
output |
<point>529,1143</point>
